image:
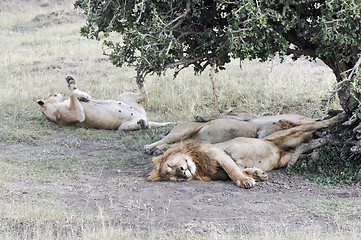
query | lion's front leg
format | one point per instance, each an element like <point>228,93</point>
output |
<point>71,114</point>
<point>228,164</point>
<point>255,173</point>
<point>155,148</point>
<point>181,132</point>
<point>239,178</point>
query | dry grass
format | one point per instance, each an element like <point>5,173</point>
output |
<point>35,60</point>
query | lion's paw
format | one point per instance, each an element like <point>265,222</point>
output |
<point>70,80</point>
<point>152,151</point>
<point>148,150</point>
<point>142,124</point>
<point>246,183</point>
<point>157,151</point>
<point>256,173</point>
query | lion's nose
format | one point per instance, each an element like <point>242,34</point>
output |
<point>183,170</point>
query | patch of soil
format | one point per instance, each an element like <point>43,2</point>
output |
<point>285,203</point>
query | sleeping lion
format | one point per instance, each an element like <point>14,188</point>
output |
<point>249,117</point>
<point>223,129</point>
<point>81,110</point>
<point>244,160</point>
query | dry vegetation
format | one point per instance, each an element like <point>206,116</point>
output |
<point>40,45</point>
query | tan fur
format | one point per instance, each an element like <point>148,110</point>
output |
<point>241,115</point>
<point>244,160</point>
<point>82,111</point>
<point>245,116</point>
<point>218,130</point>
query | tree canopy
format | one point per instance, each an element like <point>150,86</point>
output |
<point>160,34</point>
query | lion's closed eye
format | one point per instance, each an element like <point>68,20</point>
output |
<point>170,167</point>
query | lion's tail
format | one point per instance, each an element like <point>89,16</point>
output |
<point>157,124</point>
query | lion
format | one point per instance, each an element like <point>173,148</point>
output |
<point>83,111</point>
<point>243,115</point>
<point>218,130</point>
<point>244,160</point>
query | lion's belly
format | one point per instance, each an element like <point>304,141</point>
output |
<point>221,130</point>
<point>251,152</point>
<point>110,114</point>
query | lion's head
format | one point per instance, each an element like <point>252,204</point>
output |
<point>271,127</point>
<point>183,163</point>
<point>48,105</point>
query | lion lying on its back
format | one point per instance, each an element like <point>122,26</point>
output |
<point>82,111</point>
<point>244,160</point>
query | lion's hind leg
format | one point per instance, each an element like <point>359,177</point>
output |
<point>133,125</point>
<point>71,82</point>
<point>255,173</point>
<point>82,96</point>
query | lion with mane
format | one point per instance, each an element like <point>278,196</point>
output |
<point>224,129</point>
<point>244,160</point>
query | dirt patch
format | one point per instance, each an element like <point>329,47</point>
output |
<point>117,185</point>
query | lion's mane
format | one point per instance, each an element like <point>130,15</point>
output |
<point>205,165</point>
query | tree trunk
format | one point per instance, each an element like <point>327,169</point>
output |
<point>348,103</point>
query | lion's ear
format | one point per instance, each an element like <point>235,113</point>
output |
<point>156,161</point>
<point>288,124</point>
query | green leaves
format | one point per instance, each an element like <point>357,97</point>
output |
<point>162,34</point>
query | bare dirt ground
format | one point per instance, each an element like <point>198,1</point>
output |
<point>117,186</point>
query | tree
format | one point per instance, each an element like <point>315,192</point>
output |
<point>162,34</point>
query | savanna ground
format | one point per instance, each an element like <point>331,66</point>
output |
<point>66,183</point>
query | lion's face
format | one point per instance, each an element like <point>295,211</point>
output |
<point>269,128</point>
<point>272,127</point>
<point>48,103</point>
<point>176,167</point>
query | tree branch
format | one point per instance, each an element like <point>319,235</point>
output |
<point>306,148</point>
<point>300,52</point>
